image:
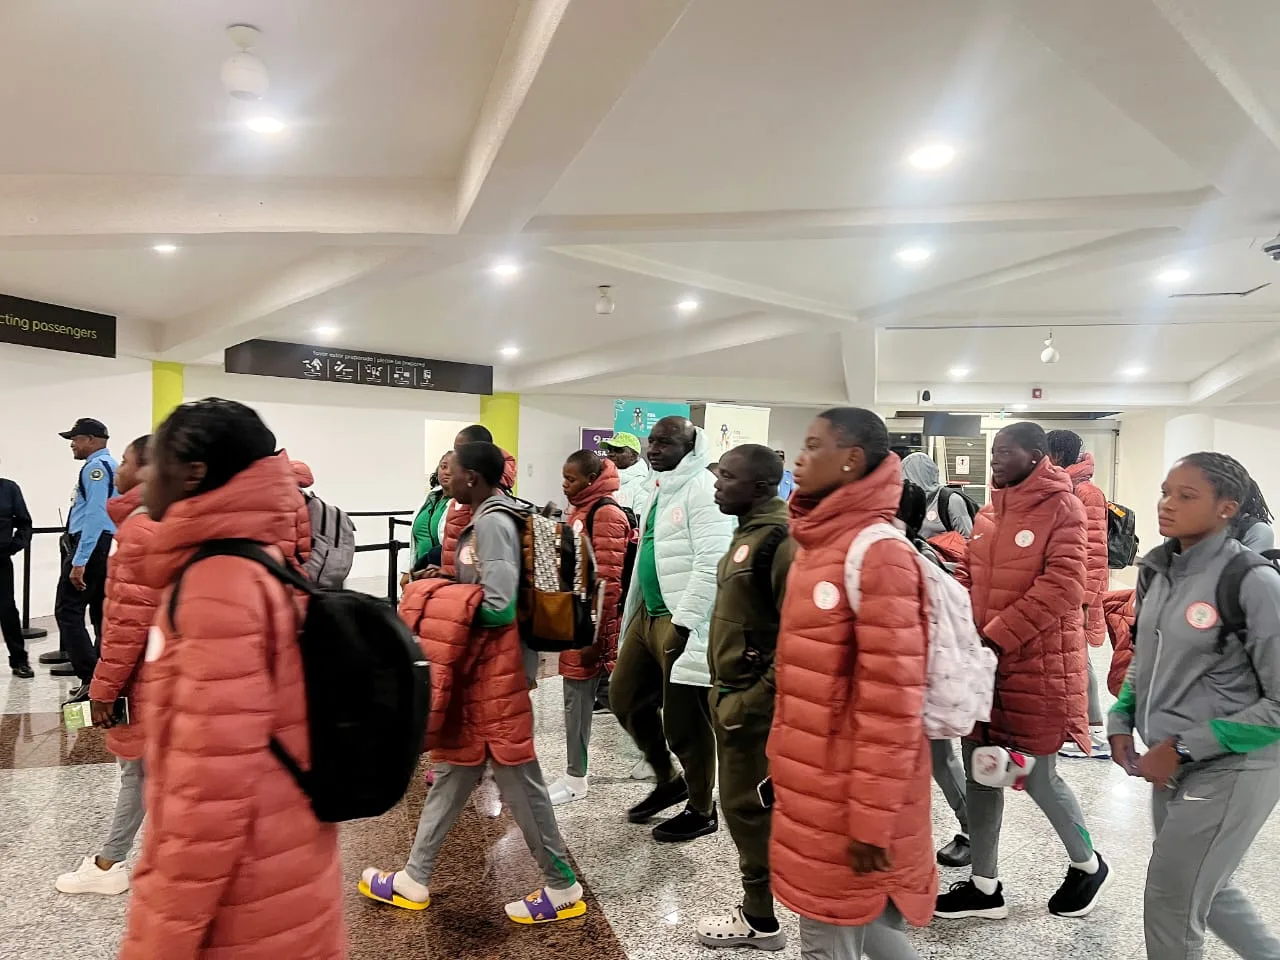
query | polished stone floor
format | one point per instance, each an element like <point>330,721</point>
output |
<point>57,792</point>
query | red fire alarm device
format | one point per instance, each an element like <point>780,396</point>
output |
<point>1037,393</point>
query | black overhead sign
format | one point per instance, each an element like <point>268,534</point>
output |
<point>300,361</point>
<point>51,327</point>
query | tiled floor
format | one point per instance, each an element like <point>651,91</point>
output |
<point>57,792</point>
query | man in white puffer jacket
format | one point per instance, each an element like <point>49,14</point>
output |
<point>658,690</point>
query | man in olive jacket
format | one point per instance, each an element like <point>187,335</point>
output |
<point>751,580</point>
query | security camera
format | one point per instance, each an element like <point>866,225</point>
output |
<point>925,398</point>
<point>1272,248</point>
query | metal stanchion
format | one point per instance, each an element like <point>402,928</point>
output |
<point>29,632</point>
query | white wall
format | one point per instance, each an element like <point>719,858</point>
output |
<point>551,429</point>
<point>41,394</point>
<point>1252,436</point>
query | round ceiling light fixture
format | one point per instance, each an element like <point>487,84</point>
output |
<point>932,156</point>
<point>506,269</point>
<point>510,351</point>
<point>165,248</point>
<point>688,305</point>
<point>244,76</point>
<point>913,255</point>
<point>1050,353</point>
<point>264,123</point>
<point>605,304</point>
<point>326,331</point>
<point>1174,275</point>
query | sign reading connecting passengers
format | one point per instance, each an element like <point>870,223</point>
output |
<point>300,361</point>
<point>31,323</point>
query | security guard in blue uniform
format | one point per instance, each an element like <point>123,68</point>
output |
<point>85,547</point>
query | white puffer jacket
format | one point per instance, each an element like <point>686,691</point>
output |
<point>634,483</point>
<point>690,536</point>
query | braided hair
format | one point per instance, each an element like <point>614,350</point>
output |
<point>224,435</point>
<point>1231,481</point>
<point>1064,447</point>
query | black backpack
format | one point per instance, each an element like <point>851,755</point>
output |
<point>944,510</point>
<point>633,543</point>
<point>1122,536</point>
<point>368,694</point>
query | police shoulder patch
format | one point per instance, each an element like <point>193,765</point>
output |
<point>96,474</point>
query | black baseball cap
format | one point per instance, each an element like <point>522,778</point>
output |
<point>87,427</point>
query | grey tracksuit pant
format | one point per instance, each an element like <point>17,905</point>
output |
<point>579,705</point>
<point>949,776</point>
<point>1050,793</point>
<point>525,794</point>
<point>881,939</point>
<point>1203,828</point>
<point>128,816</point>
<point>1096,719</point>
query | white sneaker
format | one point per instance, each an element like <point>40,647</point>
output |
<point>732,930</point>
<point>1072,750</point>
<point>642,771</point>
<point>1101,745</point>
<point>567,789</point>
<point>90,878</point>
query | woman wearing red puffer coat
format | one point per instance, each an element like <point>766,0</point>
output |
<point>590,484</point>
<point>127,615</point>
<point>235,865</point>
<point>1026,569</point>
<point>851,850</point>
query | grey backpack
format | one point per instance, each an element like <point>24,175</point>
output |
<point>333,544</point>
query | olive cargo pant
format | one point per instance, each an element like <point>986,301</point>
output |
<point>741,738</point>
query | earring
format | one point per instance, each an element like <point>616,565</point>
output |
<point>846,468</point>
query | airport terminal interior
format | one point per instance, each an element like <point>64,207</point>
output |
<point>377,224</point>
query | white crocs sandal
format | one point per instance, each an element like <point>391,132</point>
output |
<point>567,789</point>
<point>732,930</point>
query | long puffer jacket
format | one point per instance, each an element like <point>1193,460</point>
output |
<point>690,535</point>
<point>306,479</point>
<point>848,753</point>
<point>459,517</point>
<point>480,705</point>
<point>1118,609</point>
<point>1097,562</point>
<point>235,865</point>
<point>1026,569</point>
<point>610,534</point>
<point>127,615</point>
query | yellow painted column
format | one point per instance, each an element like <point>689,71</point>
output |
<point>501,414</point>
<point>166,390</point>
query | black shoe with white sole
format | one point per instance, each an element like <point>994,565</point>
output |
<point>964,899</point>
<point>1081,891</point>
<point>956,853</point>
<point>79,695</point>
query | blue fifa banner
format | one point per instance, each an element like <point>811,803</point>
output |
<point>639,416</point>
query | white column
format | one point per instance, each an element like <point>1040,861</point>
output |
<point>1187,433</point>
<point>858,353</point>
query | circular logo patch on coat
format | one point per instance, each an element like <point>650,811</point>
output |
<point>457,504</point>
<point>932,516</point>
<point>96,474</point>
<point>467,554</point>
<point>1024,538</point>
<point>1202,615</point>
<point>577,526</point>
<point>155,644</point>
<point>677,515</point>
<point>741,553</point>
<point>825,595</point>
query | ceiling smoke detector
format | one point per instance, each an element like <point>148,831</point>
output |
<point>1050,353</point>
<point>605,305</point>
<point>244,76</point>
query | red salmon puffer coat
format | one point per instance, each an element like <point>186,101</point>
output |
<point>1098,560</point>
<point>459,518</point>
<point>1118,609</point>
<point>302,473</point>
<point>848,753</point>
<point>127,615</point>
<point>235,865</point>
<point>1026,570</point>
<point>610,535</point>
<point>480,705</point>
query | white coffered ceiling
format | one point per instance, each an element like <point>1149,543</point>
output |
<point>749,154</point>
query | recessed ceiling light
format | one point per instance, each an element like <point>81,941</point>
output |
<point>1018,406</point>
<point>1134,371</point>
<point>959,373</point>
<point>913,254</point>
<point>264,123</point>
<point>687,305</point>
<point>506,269</point>
<point>1174,275</point>
<point>165,248</point>
<point>326,332</point>
<point>932,156</point>
<point>510,351</point>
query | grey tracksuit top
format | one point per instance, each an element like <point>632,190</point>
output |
<point>1223,705</point>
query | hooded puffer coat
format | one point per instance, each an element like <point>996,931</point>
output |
<point>1118,609</point>
<point>459,516</point>
<point>1098,559</point>
<point>127,615</point>
<point>1026,570</point>
<point>848,753</point>
<point>610,534</point>
<point>235,865</point>
<point>302,473</point>
<point>690,535</point>
<point>480,705</point>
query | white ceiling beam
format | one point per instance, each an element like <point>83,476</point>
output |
<point>1184,315</point>
<point>1129,212</point>
<point>995,396</point>
<point>702,389</point>
<point>564,66</point>
<point>859,358</point>
<point>1239,374</point>
<point>170,207</point>
<point>656,348</point>
<point>329,282</point>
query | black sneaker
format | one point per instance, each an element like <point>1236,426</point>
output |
<point>956,853</point>
<point>687,825</point>
<point>1081,891</point>
<point>79,695</point>
<point>964,899</point>
<point>23,671</point>
<point>664,795</point>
